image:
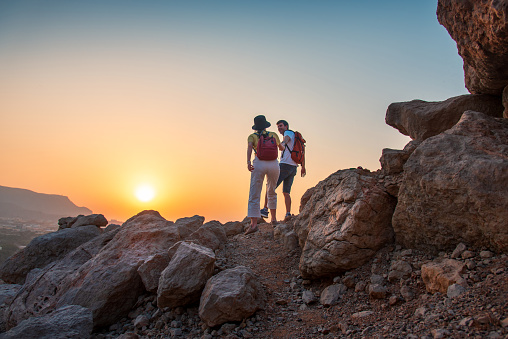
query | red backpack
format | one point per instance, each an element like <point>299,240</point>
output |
<point>267,147</point>
<point>298,151</point>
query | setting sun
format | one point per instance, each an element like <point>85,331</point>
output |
<point>145,193</point>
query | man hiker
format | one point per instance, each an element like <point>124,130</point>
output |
<point>287,167</point>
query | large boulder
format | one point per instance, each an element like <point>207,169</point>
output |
<point>108,282</point>
<point>480,29</point>
<point>232,295</point>
<point>344,223</point>
<point>39,294</point>
<point>454,188</point>
<point>421,119</point>
<point>211,235</point>
<point>7,294</point>
<point>186,226</point>
<point>67,322</point>
<point>185,276</point>
<point>44,250</point>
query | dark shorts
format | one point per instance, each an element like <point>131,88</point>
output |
<point>287,174</point>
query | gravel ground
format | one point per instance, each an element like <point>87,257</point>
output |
<point>293,309</point>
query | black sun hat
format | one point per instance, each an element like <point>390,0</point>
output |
<point>260,123</point>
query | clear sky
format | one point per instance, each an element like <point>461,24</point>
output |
<point>99,97</point>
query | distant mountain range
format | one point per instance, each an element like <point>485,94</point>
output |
<point>29,205</point>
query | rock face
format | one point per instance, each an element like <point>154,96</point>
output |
<point>103,278</point>
<point>232,295</point>
<point>342,225</point>
<point>185,277</point>
<point>44,250</point>
<point>480,29</point>
<point>454,188</point>
<point>66,322</point>
<point>421,119</point>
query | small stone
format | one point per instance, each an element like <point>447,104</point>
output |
<point>377,291</point>
<point>486,254</point>
<point>393,300</point>
<point>455,290</point>
<point>141,321</point>
<point>467,255</point>
<point>458,251</point>
<point>377,279</point>
<point>439,333</point>
<point>308,297</point>
<point>470,264</point>
<point>362,314</point>
<point>349,281</point>
<point>407,293</point>
<point>175,332</point>
<point>336,279</point>
<point>360,286</point>
<point>420,312</point>
<point>504,322</point>
<point>467,321</point>
<point>406,253</point>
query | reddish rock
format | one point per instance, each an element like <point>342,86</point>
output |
<point>480,29</point>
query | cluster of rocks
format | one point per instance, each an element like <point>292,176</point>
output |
<point>107,272</point>
<point>447,186</point>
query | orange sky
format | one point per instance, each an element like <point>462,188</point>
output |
<point>98,99</point>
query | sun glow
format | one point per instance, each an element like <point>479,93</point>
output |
<point>145,193</point>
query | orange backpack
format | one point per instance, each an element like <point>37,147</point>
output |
<point>298,151</point>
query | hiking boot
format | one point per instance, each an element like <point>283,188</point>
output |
<point>287,217</point>
<point>264,212</point>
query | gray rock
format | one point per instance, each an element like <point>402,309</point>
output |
<point>64,323</point>
<point>186,226</point>
<point>233,228</point>
<point>101,275</point>
<point>93,219</point>
<point>141,321</point>
<point>44,250</point>
<point>331,294</point>
<point>377,279</point>
<point>399,269</point>
<point>377,291</point>
<point>407,293</point>
<point>464,173</point>
<point>290,241</point>
<point>211,235</point>
<point>184,278</point>
<point>150,271</point>
<point>308,297</point>
<point>232,295</point>
<point>455,290</point>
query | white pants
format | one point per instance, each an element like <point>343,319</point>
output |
<point>261,168</point>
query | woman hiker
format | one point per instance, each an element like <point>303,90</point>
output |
<point>265,146</point>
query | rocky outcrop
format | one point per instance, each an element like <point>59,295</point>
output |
<point>44,250</point>
<point>454,188</point>
<point>108,282</point>
<point>184,278</point>
<point>81,220</point>
<point>232,295</point>
<point>66,322</point>
<point>480,29</point>
<point>342,225</point>
<point>421,119</point>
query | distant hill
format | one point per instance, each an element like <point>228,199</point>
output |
<point>29,205</point>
